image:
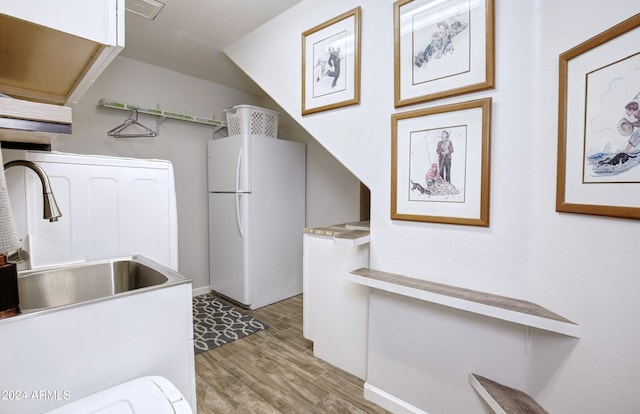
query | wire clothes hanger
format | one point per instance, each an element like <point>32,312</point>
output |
<point>131,120</point>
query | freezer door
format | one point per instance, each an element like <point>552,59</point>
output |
<point>229,248</point>
<point>229,164</point>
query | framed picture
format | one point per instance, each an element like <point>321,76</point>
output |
<point>442,48</point>
<point>599,125</point>
<point>331,64</point>
<point>440,164</point>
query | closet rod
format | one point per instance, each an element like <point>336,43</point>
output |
<point>109,103</point>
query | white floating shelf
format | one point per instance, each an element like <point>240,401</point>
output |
<point>503,399</point>
<point>352,238</point>
<point>350,234</point>
<point>161,113</point>
<point>500,307</point>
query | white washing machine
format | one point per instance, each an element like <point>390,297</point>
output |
<point>152,394</point>
<point>109,205</point>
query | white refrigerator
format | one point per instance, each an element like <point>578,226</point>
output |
<point>256,218</point>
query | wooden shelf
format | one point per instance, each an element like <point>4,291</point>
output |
<point>500,307</point>
<point>35,111</point>
<point>34,122</point>
<point>503,399</point>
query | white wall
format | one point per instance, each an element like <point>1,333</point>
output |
<point>567,263</point>
<point>184,144</point>
<point>332,191</point>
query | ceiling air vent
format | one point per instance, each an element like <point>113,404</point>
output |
<point>146,8</point>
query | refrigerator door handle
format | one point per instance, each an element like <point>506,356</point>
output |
<point>238,217</point>
<point>238,194</point>
<point>238,165</point>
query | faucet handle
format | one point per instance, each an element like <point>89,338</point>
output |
<point>19,256</point>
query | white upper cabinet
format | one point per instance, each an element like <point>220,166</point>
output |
<point>96,20</point>
<point>52,51</point>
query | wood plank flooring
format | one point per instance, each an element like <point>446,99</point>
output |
<point>274,371</point>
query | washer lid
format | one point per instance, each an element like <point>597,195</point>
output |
<point>151,394</point>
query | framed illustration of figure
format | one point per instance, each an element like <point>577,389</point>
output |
<point>599,124</point>
<point>442,48</point>
<point>440,164</point>
<point>331,64</point>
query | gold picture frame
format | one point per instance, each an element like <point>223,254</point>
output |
<point>598,128</point>
<point>331,63</point>
<point>442,49</point>
<point>440,164</point>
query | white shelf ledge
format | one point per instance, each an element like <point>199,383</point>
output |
<point>503,399</point>
<point>349,234</point>
<point>500,307</point>
<point>352,238</point>
<point>108,103</point>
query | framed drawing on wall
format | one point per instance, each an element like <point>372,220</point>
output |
<point>442,48</point>
<point>599,124</point>
<point>440,164</point>
<point>331,64</point>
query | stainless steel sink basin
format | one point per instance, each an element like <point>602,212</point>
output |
<point>60,286</point>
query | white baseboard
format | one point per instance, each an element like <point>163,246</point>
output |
<point>201,290</point>
<point>388,401</point>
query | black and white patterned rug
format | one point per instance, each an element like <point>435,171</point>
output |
<point>215,323</point>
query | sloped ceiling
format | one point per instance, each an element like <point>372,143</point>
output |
<point>188,36</point>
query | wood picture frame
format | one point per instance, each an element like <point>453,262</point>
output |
<point>442,49</point>
<point>331,63</point>
<point>440,164</point>
<point>599,125</point>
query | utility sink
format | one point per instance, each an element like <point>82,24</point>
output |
<point>72,284</point>
<point>87,326</point>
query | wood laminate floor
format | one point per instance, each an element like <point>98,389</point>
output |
<point>274,371</point>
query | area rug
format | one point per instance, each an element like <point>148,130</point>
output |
<point>216,324</point>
